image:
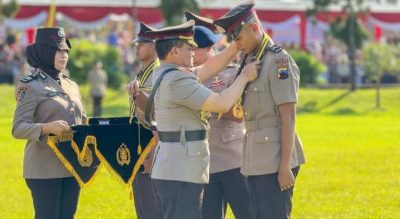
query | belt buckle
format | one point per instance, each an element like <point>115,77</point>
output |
<point>182,139</point>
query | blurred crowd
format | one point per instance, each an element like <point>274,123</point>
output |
<point>332,53</point>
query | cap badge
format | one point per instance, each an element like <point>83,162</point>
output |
<point>61,32</point>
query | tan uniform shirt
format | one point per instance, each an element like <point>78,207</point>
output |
<point>177,108</point>
<point>261,154</point>
<point>226,135</point>
<point>39,101</point>
<point>147,84</point>
<point>98,80</point>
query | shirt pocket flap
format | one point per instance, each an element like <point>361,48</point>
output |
<point>197,149</point>
<point>231,134</point>
<point>267,135</point>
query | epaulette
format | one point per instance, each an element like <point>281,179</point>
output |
<point>42,75</point>
<point>29,78</point>
<point>274,48</point>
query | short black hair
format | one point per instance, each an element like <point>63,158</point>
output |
<point>164,46</point>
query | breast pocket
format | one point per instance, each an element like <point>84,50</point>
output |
<point>231,134</point>
<point>197,149</point>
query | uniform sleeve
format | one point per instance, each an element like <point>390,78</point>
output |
<point>186,90</point>
<point>284,79</point>
<point>23,126</point>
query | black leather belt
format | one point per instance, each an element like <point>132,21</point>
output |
<point>196,135</point>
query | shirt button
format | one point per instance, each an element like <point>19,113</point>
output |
<point>233,135</point>
<point>245,91</point>
<point>198,153</point>
<point>266,138</point>
<point>255,89</point>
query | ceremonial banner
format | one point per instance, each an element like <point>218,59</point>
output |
<point>77,154</point>
<point>122,144</point>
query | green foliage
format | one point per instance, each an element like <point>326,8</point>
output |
<point>173,10</point>
<point>340,30</point>
<point>380,58</point>
<point>341,27</point>
<point>352,160</point>
<point>9,9</point>
<point>309,66</point>
<point>84,55</point>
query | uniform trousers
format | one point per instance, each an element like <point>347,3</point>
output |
<point>54,198</point>
<point>179,200</point>
<point>226,187</point>
<point>146,204</point>
<point>267,201</point>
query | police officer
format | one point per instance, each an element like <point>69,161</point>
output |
<point>146,204</point>
<point>226,183</point>
<point>272,152</point>
<point>48,103</point>
<point>181,164</point>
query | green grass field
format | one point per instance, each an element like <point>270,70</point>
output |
<point>352,150</point>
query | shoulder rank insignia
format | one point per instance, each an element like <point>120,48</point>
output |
<point>274,48</point>
<point>29,78</point>
<point>42,75</point>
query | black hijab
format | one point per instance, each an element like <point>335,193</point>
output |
<point>42,56</point>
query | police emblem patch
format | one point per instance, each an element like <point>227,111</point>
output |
<point>123,155</point>
<point>21,93</point>
<point>283,73</point>
<point>282,65</point>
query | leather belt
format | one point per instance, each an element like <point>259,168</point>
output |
<point>195,135</point>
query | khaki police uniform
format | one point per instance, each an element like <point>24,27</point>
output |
<point>183,166</point>
<point>227,184</point>
<point>262,149</point>
<point>146,203</point>
<point>277,83</point>
<point>261,154</point>
<point>40,99</point>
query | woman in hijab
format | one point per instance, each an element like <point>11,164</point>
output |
<point>48,103</point>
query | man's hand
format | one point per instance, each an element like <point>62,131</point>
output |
<point>133,88</point>
<point>57,127</point>
<point>285,178</point>
<point>251,70</point>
